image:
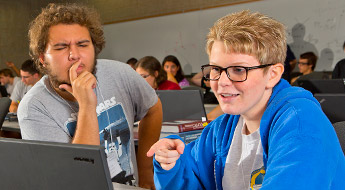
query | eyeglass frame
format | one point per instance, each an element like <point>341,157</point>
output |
<point>303,63</point>
<point>227,74</point>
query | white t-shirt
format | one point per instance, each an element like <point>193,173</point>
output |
<point>19,91</point>
<point>244,168</point>
<point>10,87</point>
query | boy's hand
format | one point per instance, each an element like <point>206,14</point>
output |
<point>167,151</point>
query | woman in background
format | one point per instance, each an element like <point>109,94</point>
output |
<point>173,68</point>
<point>151,70</point>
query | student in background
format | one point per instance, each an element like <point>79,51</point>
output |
<point>151,70</point>
<point>8,80</point>
<point>85,100</point>
<point>199,80</point>
<point>30,75</point>
<point>273,136</point>
<point>306,65</point>
<point>339,69</point>
<point>131,62</point>
<point>173,68</point>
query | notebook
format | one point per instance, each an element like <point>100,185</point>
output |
<point>333,105</point>
<point>323,85</point>
<point>182,104</point>
<point>54,166</point>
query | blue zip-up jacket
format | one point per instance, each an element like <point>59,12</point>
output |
<point>300,148</point>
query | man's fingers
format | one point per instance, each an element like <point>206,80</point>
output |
<point>168,144</point>
<point>73,71</point>
<point>152,150</point>
<point>167,153</point>
<point>180,147</point>
<point>167,156</point>
<point>161,144</point>
<point>66,87</point>
<point>168,166</point>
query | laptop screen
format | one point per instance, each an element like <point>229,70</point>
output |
<point>46,165</point>
<point>333,105</point>
<point>181,104</point>
<point>323,85</point>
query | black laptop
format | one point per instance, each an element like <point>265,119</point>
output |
<point>182,104</point>
<point>5,103</point>
<point>323,85</point>
<point>333,105</point>
<point>55,166</point>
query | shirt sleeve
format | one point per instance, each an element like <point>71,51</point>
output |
<point>37,124</point>
<point>17,91</point>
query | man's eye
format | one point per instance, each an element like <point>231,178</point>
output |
<point>60,48</point>
<point>238,70</point>
<point>215,69</point>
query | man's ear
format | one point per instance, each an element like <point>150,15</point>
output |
<point>156,74</point>
<point>41,59</point>
<point>275,73</point>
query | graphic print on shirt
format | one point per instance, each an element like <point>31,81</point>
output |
<point>257,177</point>
<point>114,137</point>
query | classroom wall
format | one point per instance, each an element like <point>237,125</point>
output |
<point>15,17</point>
<point>312,25</point>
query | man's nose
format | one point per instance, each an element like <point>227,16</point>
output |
<point>74,53</point>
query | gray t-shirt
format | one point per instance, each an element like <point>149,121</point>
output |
<point>10,87</point>
<point>244,168</point>
<point>19,91</point>
<point>123,97</point>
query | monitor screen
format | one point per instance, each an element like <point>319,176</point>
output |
<point>182,104</point>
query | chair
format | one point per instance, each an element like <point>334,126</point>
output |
<point>5,103</point>
<point>340,130</point>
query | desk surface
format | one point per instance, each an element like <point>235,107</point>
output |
<point>119,186</point>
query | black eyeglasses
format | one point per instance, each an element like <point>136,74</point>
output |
<point>234,73</point>
<point>300,63</point>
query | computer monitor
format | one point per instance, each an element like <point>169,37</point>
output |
<point>333,105</point>
<point>182,104</point>
<point>323,85</point>
<point>54,166</point>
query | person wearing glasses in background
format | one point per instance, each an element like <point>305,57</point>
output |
<point>30,76</point>
<point>273,136</point>
<point>152,71</point>
<point>306,65</point>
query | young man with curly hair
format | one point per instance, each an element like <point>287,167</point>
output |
<point>85,100</point>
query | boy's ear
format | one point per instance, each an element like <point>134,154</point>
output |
<point>275,73</point>
<point>41,59</point>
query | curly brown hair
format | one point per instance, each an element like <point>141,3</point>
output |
<point>55,14</point>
